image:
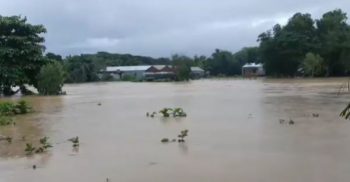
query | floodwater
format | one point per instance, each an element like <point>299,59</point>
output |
<point>234,133</point>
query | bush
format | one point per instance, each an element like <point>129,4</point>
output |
<point>9,108</point>
<point>4,120</point>
<point>51,79</point>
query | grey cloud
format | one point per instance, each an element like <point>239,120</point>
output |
<point>159,27</point>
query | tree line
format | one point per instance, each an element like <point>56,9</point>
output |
<point>306,46</point>
<point>85,67</point>
<point>302,47</point>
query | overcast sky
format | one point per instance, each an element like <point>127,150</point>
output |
<point>159,27</point>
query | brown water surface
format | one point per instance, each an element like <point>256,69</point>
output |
<point>234,133</point>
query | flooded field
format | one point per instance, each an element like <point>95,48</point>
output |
<point>234,133</point>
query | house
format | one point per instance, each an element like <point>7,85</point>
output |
<point>197,72</point>
<point>147,72</point>
<point>252,69</point>
<point>160,72</point>
<point>122,72</point>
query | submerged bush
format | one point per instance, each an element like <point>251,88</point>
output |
<point>9,108</point>
<point>5,121</point>
<point>50,79</point>
<point>175,112</point>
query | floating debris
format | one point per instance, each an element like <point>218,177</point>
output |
<point>9,140</point>
<point>315,115</point>
<point>282,121</point>
<point>34,167</point>
<point>291,122</point>
<point>165,140</point>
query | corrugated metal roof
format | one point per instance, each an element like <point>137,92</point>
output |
<point>126,68</point>
<point>196,69</point>
<point>252,65</point>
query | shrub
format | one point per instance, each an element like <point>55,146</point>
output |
<point>51,79</point>
<point>9,108</point>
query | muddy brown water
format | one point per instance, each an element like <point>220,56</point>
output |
<point>234,133</point>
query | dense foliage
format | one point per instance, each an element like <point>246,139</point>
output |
<point>20,53</point>
<point>51,79</point>
<point>10,108</point>
<point>284,49</point>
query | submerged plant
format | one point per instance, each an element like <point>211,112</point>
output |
<point>29,149</point>
<point>40,150</point>
<point>166,112</point>
<point>179,112</point>
<point>183,134</point>
<point>75,141</point>
<point>9,108</point>
<point>5,121</point>
<point>44,142</point>
<point>23,107</point>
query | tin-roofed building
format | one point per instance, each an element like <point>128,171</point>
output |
<point>252,69</point>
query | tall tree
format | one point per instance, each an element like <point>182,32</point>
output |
<point>21,52</point>
<point>334,36</point>
<point>284,48</point>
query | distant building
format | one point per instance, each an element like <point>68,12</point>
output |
<point>197,72</point>
<point>120,72</point>
<point>160,72</point>
<point>147,72</point>
<point>252,69</point>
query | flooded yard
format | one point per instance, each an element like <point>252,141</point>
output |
<point>234,133</point>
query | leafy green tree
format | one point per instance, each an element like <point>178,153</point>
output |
<point>313,65</point>
<point>51,79</point>
<point>334,35</point>
<point>223,63</point>
<point>21,53</point>
<point>53,56</point>
<point>182,66</point>
<point>81,69</point>
<point>283,48</point>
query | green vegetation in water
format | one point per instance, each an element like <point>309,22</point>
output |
<point>45,143</point>
<point>179,112</point>
<point>167,112</point>
<point>30,149</point>
<point>10,108</point>
<point>5,121</point>
<point>75,141</point>
<point>182,135</point>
